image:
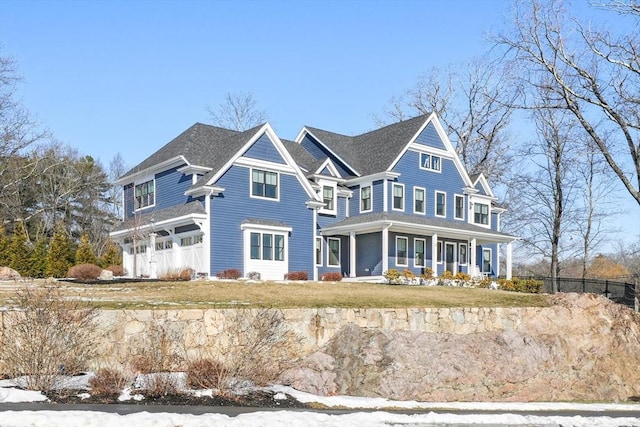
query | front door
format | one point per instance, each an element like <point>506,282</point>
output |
<point>450,257</point>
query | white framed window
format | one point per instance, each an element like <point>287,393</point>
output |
<point>333,255</point>
<point>186,241</point>
<point>398,197</point>
<point>401,251</point>
<point>145,194</point>
<point>264,184</point>
<point>419,200</point>
<point>458,206</point>
<point>486,260</point>
<point>462,253</point>
<point>328,195</point>
<point>439,252</point>
<point>266,246</point>
<point>481,213</point>
<point>318,251</point>
<point>365,199</point>
<point>441,204</point>
<point>430,162</point>
<point>419,246</point>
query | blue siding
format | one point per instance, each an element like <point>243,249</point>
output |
<point>234,205</point>
<point>448,181</point>
<point>319,152</point>
<point>354,204</point>
<point>170,188</point>
<point>494,220</point>
<point>324,219</point>
<point>494,256</point>
<point>429,136</point>
<point>480,189</point>
<point>264,149</point>
<point>369,254</point>
<point>128,200</point>
<point>378,195</point>
<point>325,171</point>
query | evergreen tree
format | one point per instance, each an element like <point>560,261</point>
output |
<point>19,251</point>
<point>112,255</point>
<point>60,254</point>
<point>85,253</point>
<point>4,247</point>
<point>38,261</point>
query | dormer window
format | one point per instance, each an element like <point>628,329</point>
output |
<point>328,197</point>
<point>481,214</point>
<point>145,194</point>
<point>430,162</point>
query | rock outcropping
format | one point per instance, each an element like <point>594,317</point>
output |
<point>583,347</point>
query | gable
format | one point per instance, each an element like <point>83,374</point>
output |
<point>264,149</point>
<point>480,188</point>
<point>429,137</point>
<point>319,152</point>
<point>325,171</point>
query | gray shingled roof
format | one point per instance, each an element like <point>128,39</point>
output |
<point>371,152</point>
<point>200,145</point>
<point>194,207</point>
<point>299,154</point>
<point>414,219</point>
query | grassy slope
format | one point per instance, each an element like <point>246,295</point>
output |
<point>223,294</point>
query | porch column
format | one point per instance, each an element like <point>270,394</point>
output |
<point>385,249</point>
<point>352,254</point>
<point>153,264</point>
<point>206,231</point>
<point>434,253</point>
<point>472,258</point>
<point>509,259</point>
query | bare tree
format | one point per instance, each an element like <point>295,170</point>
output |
<point>473,102</point>
<point>238,111</point>
<point>117,168</point>
<point>548,187</point>
<point>594,74</point>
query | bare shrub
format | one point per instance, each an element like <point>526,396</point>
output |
<point>109,381</point>
<point>231,273</point>
<point>331,277</point>
<point>264,345</point>
<point>47,336</point>
<point>206,373</point>
<point>178,274</point>
<point>84,272</point>
<point>117,270</point>
<point>296,275</point>
<point>158,354</point>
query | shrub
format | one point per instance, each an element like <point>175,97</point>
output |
<point>84,272</point>
<point>231,273</point>
<point>462,276</point>
<point>331,277</point>
<point>296,275</point>
<point>521,285</point>
<point>117,270</point>
<point>447,275</point>
<point>50,336</point>
<point>392,276</point>
<point>178,275</point>
<point>427,274</point>
<point>108,381</point>
<point>205,373</point>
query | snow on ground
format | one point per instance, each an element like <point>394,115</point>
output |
<point>8,393</point>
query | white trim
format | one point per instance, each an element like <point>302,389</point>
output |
<point>334,186</point>
<point>473,213</point>
<point>159,167</point>
<point>332,168</point>
<point>424,200</point>
<point>264,164</point>
<point>393,196</point>
<point>406,251</point>
<point>155,194</point>
<point>385,196</point>
<point>424,254</point>
<point>264,227</point>
<point>370,185</point>
<point>435,204</point>
<point>439,248</point>
<point>456,196</point>
<point>485,186</point>
<point>269,269</point>
<point>329,252</point>
<point>193,169</point>
<point>431,156</point>
<point>380,176</point>
<point>273,199</point>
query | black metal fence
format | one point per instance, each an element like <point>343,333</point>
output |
<point>620,292</point>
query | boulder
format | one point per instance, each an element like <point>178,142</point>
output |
<point>106,275</point>
<point>7,273</point>
<point>581,348</point>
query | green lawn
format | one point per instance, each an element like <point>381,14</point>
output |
<point>223,294</point>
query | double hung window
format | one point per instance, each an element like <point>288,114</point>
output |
<point>145,194</point>
<point>398,197</point>
<point>441,204</point>
<point>459,207</point>
<point>365,199</point>
<point>401,251</point>
<point>418,200</point>
<point>334,252</point>
<point>264,184</point>
<point>481,214</point>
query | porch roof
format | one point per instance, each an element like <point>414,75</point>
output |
<point>188,213</point>
<point>395,221</point>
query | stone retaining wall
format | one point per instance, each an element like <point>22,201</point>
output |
<point>198,332</point>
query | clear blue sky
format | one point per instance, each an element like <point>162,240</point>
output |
<point>126,77</point>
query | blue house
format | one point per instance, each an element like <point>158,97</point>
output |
<point>398,197</point>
